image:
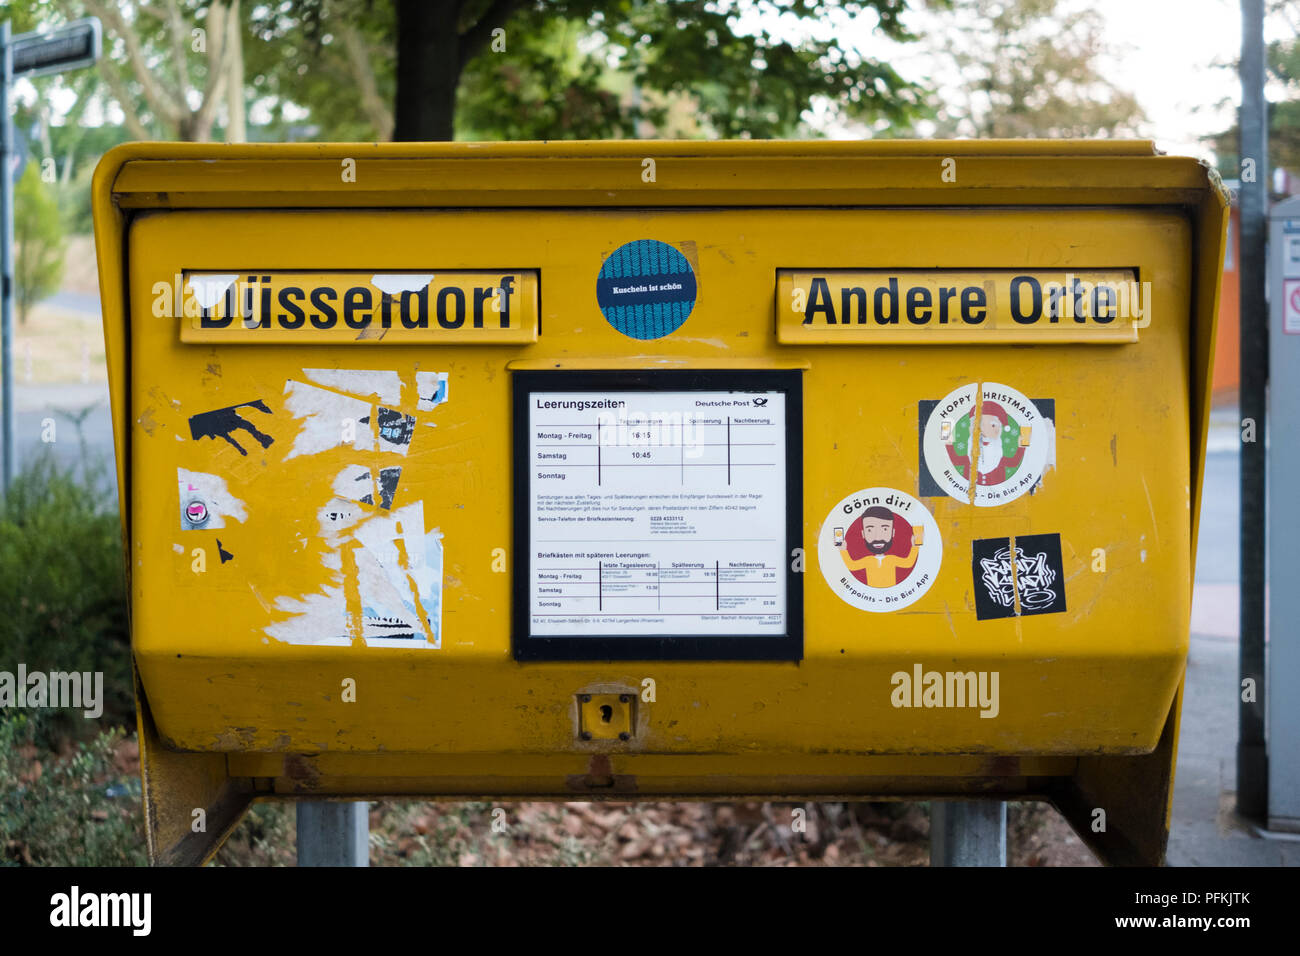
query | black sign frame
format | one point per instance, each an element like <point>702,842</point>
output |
<point>613,647</point>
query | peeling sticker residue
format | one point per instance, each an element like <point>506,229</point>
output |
<point>431,387</point>
<point>178,549</point>
<point>208,289</point>
<point>395,284</point>
<point>384,571</point>
<point>395,430</point>
<point>147,421</point>
<point>355,483</point>
<point>336,517</point>
<point>394,568</point>
<point>205,502</point>
<point>400,579</point>
<point>324,413</point>
<point>384,385</point>
<point>388,479</point>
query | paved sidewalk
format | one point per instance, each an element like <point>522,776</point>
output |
<point>1206,830</point>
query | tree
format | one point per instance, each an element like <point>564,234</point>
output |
<point>580,68</point>
<point>331,60</point>
<point>1282,62</point>
<point>169,69</point>
<point>1026,68</point>
<point>38,241</point>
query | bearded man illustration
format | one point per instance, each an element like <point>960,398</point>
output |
<point>878,564</point>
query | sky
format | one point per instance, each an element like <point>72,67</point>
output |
<point>1164,55</point>
<point>1163,51</point>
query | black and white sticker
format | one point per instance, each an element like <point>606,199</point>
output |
<point>1018,576</point>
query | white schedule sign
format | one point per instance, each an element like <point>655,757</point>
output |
<point>657,513</point>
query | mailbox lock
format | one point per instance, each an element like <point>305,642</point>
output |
<point>605,716</point>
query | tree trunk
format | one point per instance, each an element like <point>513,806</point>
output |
<point>236,130</point>
<point>428,69</point>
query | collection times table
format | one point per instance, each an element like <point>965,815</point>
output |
<point>657,513</point>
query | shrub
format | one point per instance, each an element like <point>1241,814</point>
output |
<point>82,809</point>
<point>62,587</point>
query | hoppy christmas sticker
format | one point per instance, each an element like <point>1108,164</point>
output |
<point>879,549</point>
<point>993,432</point>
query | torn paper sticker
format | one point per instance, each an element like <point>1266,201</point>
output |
<point>395,283</point>
<point>395,430</point>
<point>382,385</point>
<point>205,502</point>
<point>431,390</point>
<point>399,572</point>
<point>395,569</point>
<point>328,419</point>
<point>208,289</point>
<point>357,483</point>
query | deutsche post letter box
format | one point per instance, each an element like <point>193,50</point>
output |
<point>659,470</point>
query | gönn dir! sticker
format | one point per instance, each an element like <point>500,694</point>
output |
<point>879,549</point>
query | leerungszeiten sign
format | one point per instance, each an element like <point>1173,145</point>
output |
<point>657,512</point>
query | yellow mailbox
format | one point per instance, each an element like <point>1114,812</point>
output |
<point>659,470</point>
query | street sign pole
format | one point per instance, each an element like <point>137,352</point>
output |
<point>7,412</point>
<point>1252,753</point>
<point>28,54</point>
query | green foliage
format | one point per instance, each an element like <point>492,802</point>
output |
<point>332,59</point>
<point>1282,63</point>
<point>39,241</point>
<point>265,837</point>
<point>1025,68</point>
<point>545,88</point>
<point>79,810</point>
<point>326,69</point>
<point>559,75</point>
<point>62,586</point>
<point>575,69</point>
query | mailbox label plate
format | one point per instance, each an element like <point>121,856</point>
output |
<point>376,306</point>
<point>943,306</point>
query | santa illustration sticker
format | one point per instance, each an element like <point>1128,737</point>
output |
<point>990,430</point>
<point>880,549</point>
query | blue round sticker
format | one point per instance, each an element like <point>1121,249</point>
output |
<point>646,289</point>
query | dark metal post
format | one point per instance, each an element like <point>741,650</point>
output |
<point>968,833</point>
<point>7,412</point>
<point>333,834</point>
<point>1252,759</point>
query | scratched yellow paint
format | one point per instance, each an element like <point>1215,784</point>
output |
<point>1098,679</point>
<point>1100,676</point>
